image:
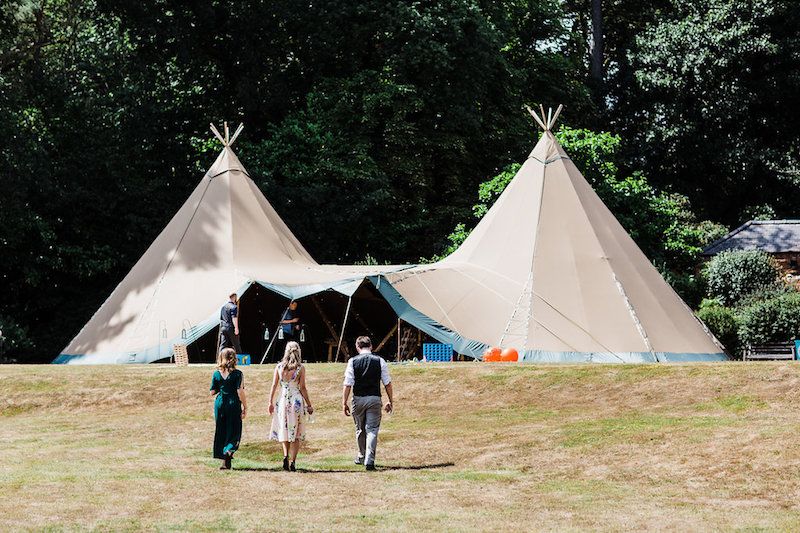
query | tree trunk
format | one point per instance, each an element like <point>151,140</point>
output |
<point>596,70</point>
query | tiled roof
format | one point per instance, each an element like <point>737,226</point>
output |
<point>771,236</point>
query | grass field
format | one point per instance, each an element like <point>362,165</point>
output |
<point>471,447</point>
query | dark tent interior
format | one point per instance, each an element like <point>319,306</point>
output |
<point>321,316</point>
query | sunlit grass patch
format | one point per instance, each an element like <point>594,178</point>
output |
<point>256,455</point>
<point>470,419</point>
<point>15,409</point>
<point>735,404</point>
<point>514,414</point>
<point>558,375</point>
<point>217,523</point>
<point>591,488</point>
<point>334,462</point>
<point>634,427</point>
<point>634,373</point>
<point>468,475</point>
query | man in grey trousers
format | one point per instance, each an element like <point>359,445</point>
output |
<point>364,375</point>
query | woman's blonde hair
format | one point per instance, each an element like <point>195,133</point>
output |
<point>291,356</point>
<point>227,360</point>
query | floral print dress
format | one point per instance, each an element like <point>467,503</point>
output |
<point>288,422</point>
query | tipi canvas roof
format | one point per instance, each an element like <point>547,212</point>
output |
<point>224,237</point>
<point>550,271</point>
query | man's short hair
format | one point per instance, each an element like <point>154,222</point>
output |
<point>363,342</point>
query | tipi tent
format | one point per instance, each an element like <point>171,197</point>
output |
<point>548,270</point>
<point>551,272</point>
<point>225,237</point>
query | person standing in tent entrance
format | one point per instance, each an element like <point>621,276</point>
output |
<point>290,325</point>
<point>230,407</point>
<point>288,411</point>
<point>229,325</point>
<point>290,322</point>
<point>364,375</point>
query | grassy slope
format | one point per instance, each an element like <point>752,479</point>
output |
<point>607,447</point>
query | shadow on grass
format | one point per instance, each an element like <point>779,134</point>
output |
<point>378,468</point>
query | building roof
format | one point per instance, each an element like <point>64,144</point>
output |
<point>771,236</point>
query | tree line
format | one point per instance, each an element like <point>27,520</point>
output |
<point>379,118</point>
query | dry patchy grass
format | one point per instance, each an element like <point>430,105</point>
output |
<point>664,447</point>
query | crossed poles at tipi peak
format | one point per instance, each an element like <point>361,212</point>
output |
<point>226,140</point>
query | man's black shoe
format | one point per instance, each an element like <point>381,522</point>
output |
<point>370,467</point>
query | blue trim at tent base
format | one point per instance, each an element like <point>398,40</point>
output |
<point>542,356</point>
<point>158,352</point>
<point>407,313</point>
<point>147,355</point>
<point>64,358</point>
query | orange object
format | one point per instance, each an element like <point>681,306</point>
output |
<point>491,355</point>
<point>509,355</point>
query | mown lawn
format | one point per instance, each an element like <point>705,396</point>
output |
<point>471,447</point>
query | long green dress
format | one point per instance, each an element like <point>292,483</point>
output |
<point>227,412</point>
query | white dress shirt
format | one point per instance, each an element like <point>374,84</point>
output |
<point>350,378</point>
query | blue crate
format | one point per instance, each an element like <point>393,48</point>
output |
<point>243,359</point>
<point>436,352</point>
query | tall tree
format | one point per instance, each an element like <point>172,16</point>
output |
<point>597,58</point>
<point>717,108</point>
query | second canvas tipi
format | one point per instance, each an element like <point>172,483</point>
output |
<point>550,271</point>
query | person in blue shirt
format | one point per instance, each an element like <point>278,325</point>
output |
<point>290,322</point>
<point>229,325</point>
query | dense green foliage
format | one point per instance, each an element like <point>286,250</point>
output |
<point>723,323</point>
<point>772,320</point>
<point>718,84</point>
<point>732,276</point>
<point>377,118</point>
<point>748,302</point>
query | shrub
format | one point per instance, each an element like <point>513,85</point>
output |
<point>773,320</point>
<point>722,322</point>
<point>766,293</point>
<point>733,275</point>
<point>15,339</point>
<point>689,286</point>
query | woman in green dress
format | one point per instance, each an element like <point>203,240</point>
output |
<point>230,407</point>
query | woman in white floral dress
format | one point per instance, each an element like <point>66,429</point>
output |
<point>289,409</point>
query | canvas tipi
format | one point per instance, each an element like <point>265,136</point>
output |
<point>551,272</point>
<point>225,229</point>
<point>225,238</point>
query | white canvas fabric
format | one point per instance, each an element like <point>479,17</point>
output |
<point>591,292</point>
<point>224,237</point>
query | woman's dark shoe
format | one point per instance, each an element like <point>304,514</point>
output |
<point>291,467</point>
<point>228,460</point>
<point>286,463</point>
